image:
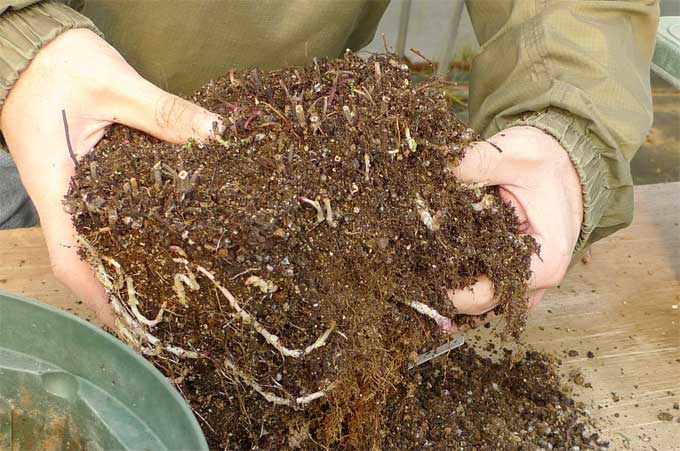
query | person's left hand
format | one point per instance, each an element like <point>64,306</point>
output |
<point>535,175</point>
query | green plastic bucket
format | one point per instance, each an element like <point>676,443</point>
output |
<point>65,384</point>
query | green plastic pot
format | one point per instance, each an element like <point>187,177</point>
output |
<point>65,384</point>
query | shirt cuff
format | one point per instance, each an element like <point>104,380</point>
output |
<point>584,150</point>
<point>23,32</point>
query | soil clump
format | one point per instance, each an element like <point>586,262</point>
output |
<point>284,274</point>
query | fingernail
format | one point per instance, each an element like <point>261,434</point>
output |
<point>218,128</point>
<point>445,325</point>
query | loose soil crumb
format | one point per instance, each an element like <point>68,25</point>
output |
<point>284,274</point>
<point>665,416</point>
<point>469,402</point>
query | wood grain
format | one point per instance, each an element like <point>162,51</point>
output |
<point>25,269</point>
<point>619,306</point>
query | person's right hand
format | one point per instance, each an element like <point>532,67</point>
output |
<point>80,73</point>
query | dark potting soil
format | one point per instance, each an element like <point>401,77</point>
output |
<point>507,402</point>
<point>278,274</point>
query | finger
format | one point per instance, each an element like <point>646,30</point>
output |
<point>481,164</point>
<point>105,315</point>
<point>163,115</point>
<point>549,266</point>
<point>450,329</point>
<point>475,299</point>
<point>67,265</point>
<point>47,194</point>
<point>509,194</point>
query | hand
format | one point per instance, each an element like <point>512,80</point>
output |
<point>81,74</point>
<point>534,174</point>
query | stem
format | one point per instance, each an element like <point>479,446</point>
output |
<point>300,113</point>
<point>93,171</point>
<point>134,188</point>
<point>349,116</point>
<point>157,175</point>
<point>68,139</point>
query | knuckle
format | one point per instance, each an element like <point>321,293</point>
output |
<point>169,110</point>
<point>554,276</point>
<point>474,307</point>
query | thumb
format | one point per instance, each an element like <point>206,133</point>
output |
<point>163,115</point>
<point>480,164</point>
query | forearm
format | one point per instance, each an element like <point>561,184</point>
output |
<point>579,71</point>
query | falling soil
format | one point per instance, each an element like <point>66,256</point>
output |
<point>285,274</point>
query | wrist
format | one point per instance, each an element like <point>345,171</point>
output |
<point>584,150</point>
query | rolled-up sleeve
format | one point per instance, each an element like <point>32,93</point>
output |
<point>579,70</point>
<point>27,26</point>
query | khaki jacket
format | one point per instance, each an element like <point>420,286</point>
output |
<point>578,70</point>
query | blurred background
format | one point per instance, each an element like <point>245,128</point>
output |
<point>426,24</point>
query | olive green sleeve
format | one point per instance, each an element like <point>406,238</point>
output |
<point>578,70</point>
<point>25,27</point>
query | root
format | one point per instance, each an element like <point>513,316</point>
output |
<point>431,222</point>
<point>412,145</point>
<point>349,114</point>
<point>132,300</point>
<point>265,286</point>
<point>295,403</point>
<point>270,338</point>
<point>442,321</point>
<point>329,213</point>
<point>317,206</point>
<point>93,171</point>
<point>130,326</point>
<point>320,215</point>
<point>321,340</point>
<point>217,136</point>
<point>367,167</point>
<point>183,179</point>
<point>180,279</point>
<point>119,273</point>
<point>484,204</point>
<point>181,353</point>
<point>127,335</point>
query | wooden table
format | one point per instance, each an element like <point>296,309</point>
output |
<point>623,306</point>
